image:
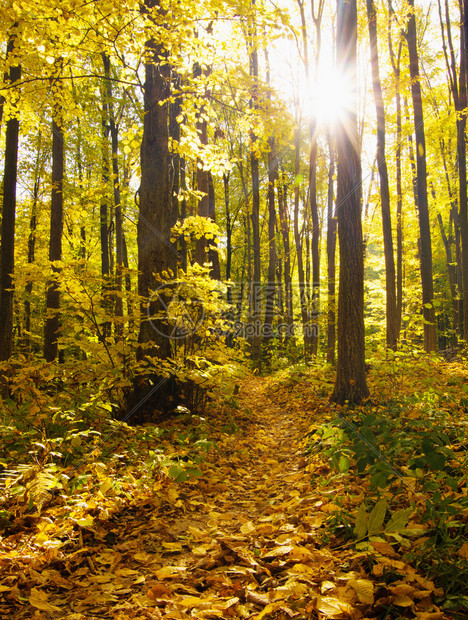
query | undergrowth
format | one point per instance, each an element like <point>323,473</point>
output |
<point>406,449</point>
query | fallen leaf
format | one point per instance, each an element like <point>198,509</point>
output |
<point>364,590</point>
<point>333,607</point>
<point>463,551</point>
<point>38,599</point>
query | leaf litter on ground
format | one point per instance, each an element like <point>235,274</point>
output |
<point>249,526</point>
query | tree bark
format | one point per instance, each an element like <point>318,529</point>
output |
<point>256,350</point>
<point>288,296</point>
<point>351,384</point>
<point>391,301</point>
<point>430,333</point>
<point>7,258</point>
<point>114,133</point>
<point>331,259</point>
<point>298,240</point>
<point>271,284</point>
<point>155,207</point>
<point>52,325</point>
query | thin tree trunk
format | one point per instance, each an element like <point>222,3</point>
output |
<point>213,256</point>
<point>52,325</point>
<point>7,255</point>
<point>114,132</point>
<point>284,223</point>
<point>430,332</point>
<point>271,283</point>
<point>255,216</point>
<point>32,243</point>
<point>451,269</point>
<point>298,240</point>
<point>331,258</point>
<point>391,302</point>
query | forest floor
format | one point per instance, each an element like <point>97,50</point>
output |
<point>260,529</point>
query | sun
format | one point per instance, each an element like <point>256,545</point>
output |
<point>330,95</point>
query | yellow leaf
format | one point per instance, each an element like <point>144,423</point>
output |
<point>193,601</point>
<point>269,609</point>
<point>402,600</point>
<point>463,551</point>
<point>279,551</point>
<point>364,590</point>
<point>168,571</point>
<point>105,486</point>
<point>172,546</point>
<point>402,588</point>
<point>172,494</point>
<point>41,538</point>
<point>38,599</point>
<point>247,528</point>
<point>333,607</point>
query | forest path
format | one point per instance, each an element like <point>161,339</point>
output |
<point>242,541</point>
<point>255,536</point>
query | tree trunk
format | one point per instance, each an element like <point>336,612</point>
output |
<point>104,226</point>
<point>271,284</point>
<point>52,325</point>
<point>331,259</point>
<point>391,302</point>
<point>430,334</point>
<point>154,222</point>
<point>213,256</point>
<point>451,269</point>
<point>351,384</point>
<point>114,132</point>
<point>7,258</point>
<point>298,240</point>
<point>255,216</point>
<point>32,242</point>
<point>288,299</point>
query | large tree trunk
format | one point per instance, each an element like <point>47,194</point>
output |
<point>391,302</point>
<point>351,384</point>
<point>153,232</point>
<point>7,258</point>
<point>430,333</point>
<point>52,325</point>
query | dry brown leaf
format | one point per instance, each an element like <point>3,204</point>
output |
<point>384,548</point>
<point>159,590</point>
<point>333,607</point>
<point>364,590</point>
<point>279,551</point>
<point>402,588</point>
<point>38,599</point>
<point>402,600</point>
<point>463,551</point>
